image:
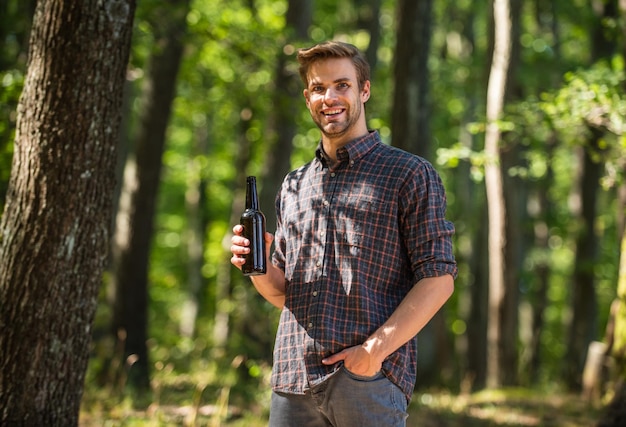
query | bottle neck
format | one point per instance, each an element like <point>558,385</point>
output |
<point>252,198</point>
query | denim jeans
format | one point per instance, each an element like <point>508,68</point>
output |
<point>344,400</point>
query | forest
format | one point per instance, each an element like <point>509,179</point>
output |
<point>127,131</point>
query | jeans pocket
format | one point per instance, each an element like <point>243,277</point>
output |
<point>358,377</point>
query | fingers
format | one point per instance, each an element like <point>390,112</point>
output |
<point>356,360</point>
<point>239,247</point>
<point>334,358</point>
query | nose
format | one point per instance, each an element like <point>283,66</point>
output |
<point>329,95</point>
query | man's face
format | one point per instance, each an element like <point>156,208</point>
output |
<point>334,99</point>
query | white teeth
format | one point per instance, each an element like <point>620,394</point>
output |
<point>331,112</point>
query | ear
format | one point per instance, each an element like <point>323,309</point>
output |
<point>365,93</point>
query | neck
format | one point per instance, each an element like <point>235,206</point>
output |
<point>331,145</point>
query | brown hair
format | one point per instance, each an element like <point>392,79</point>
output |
<point>333,49</point>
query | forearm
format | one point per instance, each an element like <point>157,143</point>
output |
<point>271,285</point>
<point>415,311</point>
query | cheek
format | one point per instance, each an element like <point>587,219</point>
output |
<point>312,101</point>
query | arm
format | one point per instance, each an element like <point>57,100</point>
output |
<point>414,312</point>
<point>271,285</point>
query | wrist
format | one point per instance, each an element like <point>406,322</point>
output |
<point>374,346</point>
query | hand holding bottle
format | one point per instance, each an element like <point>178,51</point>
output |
<point>240,246</point>
<point>253,229</point>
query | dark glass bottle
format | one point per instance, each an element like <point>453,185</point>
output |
<point>253,222</point>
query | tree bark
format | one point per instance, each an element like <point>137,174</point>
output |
<point>134,225</point>
<point>56,222</point>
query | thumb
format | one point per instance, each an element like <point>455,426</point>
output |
<point>334,358</point>
<point>269,238</point>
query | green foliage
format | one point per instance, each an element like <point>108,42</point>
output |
<point>592,98</point>
<point>224,110</point>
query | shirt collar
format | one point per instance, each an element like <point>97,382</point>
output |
<point>353,150</point>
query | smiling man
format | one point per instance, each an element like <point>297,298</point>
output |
<point>362,260</point>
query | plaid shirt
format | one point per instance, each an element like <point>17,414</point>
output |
<point>352,241</point>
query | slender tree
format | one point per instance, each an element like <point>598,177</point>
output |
<point>55,226</point>
<point>496,91</point>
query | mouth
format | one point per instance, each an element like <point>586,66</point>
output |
<point>332,112</point>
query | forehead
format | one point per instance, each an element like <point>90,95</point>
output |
<point>329,70</point>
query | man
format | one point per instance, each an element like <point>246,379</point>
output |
<point>362,261</point>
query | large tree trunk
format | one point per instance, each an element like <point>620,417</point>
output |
<point>496,91</point>
<point>411,110</point>
<point>55,226</point>
<point>134,226</point>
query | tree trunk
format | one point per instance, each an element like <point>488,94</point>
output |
<point>287,99</point>
<point>55,226</point>
<point>134,226</point>
<point>583,327</point>
<point>543,223</point>
<point>615,413</point>
<point>478,318</point>
<point>368,12</point>
<point>196,230</point>
<point>496,92</point>
<point>224,282</point>
<point>411,110</point>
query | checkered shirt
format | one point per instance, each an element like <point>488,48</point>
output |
<point>352,241</point>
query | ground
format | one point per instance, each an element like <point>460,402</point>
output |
<point>182,405</point>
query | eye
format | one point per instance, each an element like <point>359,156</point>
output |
<point>343,86</point>
<point>317,89</point>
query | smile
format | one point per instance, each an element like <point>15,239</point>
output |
<point>332,112</point>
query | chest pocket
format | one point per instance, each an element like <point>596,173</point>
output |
<point>354,215</point>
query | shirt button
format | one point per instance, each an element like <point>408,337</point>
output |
<point>318,264</point>
<point>314,293</point>
<point>332,174</point>
<point>326,203</point>
<point>310,325</point>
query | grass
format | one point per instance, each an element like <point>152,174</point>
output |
<point>492,408</point>
<point>189,401</point>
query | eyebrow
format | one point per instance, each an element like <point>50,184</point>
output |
<point>339,80</point>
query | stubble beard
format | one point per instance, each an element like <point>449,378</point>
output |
<point>338,129</point>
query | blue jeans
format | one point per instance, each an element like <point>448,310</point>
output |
<point>344,400</point>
